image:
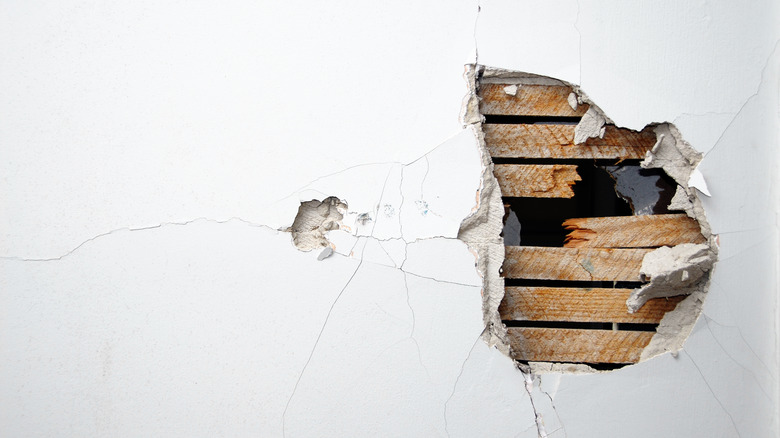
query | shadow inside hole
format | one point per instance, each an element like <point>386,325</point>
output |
<point>537,221</point>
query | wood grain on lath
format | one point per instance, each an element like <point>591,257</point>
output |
<point>536,181</point>
<point>528,100</point>
<point>557,141</point>
<point>580,305</point>
<point>575,345</point>
<point>632,231</point>
<point>586,264</point>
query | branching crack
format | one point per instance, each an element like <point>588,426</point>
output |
<point>529,386</point>
<point>552,405</point>
<point>314,348</point>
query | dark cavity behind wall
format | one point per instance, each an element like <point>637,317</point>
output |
<point>541,218</point>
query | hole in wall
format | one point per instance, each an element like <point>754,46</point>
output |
<point>314,219</point>
<point>607,255</point>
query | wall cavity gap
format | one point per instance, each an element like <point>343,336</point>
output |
<point>607,254</point>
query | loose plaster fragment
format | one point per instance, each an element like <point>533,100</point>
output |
<point>512,90</point>
<point>314,219</point>
<point>327,252</point>
<point>573,102</point>
<point>672,271</point>
<point>591,125</point>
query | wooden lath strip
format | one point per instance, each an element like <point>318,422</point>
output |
<point>557,141</point>
<point>586,264</point>
<point>536,181</point>
<point>632,231</point>
<point>528,100</point>
<point>575,345</point>
<point>580,305</point>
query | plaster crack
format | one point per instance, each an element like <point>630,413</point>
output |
<point>414,326</point>
<point>741,336</point>
<point>346,169</point>
<point>440,281</point>
<point>707,320</point>
<point>579,44</point>
<point>552,405</point>
<point>132,229</point>
<point>748,99</point>
<point>704,379</point>
<point>476,22</point>
<point>314,348</point>
<point>457,379</point>
<point>529,385</point>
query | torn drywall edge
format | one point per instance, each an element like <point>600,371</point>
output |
<point>481,231</point>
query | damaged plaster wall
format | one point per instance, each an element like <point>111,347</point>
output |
<point>153,151</point>
<point>711,69</point>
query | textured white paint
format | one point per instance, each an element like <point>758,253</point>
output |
<point>125,116</point>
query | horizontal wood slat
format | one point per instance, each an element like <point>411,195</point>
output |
<point>580,305</point>
<point>528,100</point>
<point>632,231</point>
<point>557,141</point>
<point>574,345</point>
<point>536,181</point>
<point>586,264</point>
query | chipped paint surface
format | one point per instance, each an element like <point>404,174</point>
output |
<point>152,151</point>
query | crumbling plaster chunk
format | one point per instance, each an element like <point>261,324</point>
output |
<point>591,125</point>
<point>672,271</point>
<point>314,219</point>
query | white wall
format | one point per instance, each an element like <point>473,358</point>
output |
<point>131,134</point>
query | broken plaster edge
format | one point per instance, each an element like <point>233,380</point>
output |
<point>678,159</point>
<point>481,230</point>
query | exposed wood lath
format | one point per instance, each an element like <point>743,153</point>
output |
<point>576,345</point>
<point>567,303</point>
<point>632,231</point>
<point>574,264</point>
<point>536,180</point>
<point>544,140</point>
<point>528,100</point>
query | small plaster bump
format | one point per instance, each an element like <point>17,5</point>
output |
<point>389,210</point>
<point>511,90</point>
<point>364,218</point>
<point>422,206</point>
